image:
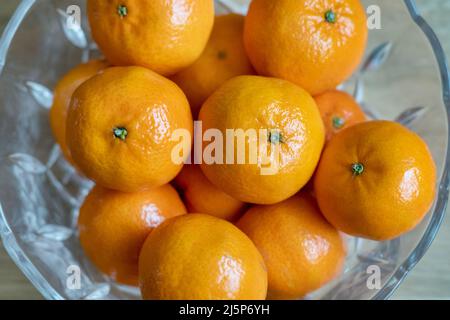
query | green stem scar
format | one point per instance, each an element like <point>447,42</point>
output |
<point>275,137</point>
<point>222,55</point>
<point>122,11</point>
<point>330,16</point>
<point>357,169</point>
<point>120,133</point>
<point>338,122</point>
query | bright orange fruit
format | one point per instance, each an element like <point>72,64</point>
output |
<point>114,225</point>
<point>200,195</point>
<point>163,35</point>
<point>302,251</point>
<point>62,95</point>
<point>120,126</point>
<point>315,44</point>
<point>376,180</point>
<point>223,58</point>
<point>294,137</point>
<point>339,111</point>
<point>200,257</point>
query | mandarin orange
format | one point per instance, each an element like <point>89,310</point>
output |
<point>62,95</point>
<point>197,257</point>
<point>339,111</point>
<point>200,195</point>
<point>276,142</point>
<point>120,126</point>
<point>223,58</point>
<point>375,180</point>
<point>302,251</point>
<point>114,225</point>
<point>163,35</point>
<point>315,44</point>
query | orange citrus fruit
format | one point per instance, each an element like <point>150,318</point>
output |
<point>200,195</point>
<point>223,58</point>
<point>315,44</point>
<point>302,251</point>
<point>114,225</point>
<point>339,111</point>
<point>120,126</point>
<point>200,257</point>
<point>62,95</point>
<point>375,180</point>
<point>284,136</point>
<point>163,35</point>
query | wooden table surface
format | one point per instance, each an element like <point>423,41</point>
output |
<point>430,279</point>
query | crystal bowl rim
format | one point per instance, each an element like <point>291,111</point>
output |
<point>38,280</point>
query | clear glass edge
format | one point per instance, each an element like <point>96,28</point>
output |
<point>441,203</point>
<point>42,285</point>
<point>9,240</point>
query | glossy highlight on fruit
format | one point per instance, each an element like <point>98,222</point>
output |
<point>376,180</point>
<point>120,126</point>
<point>302,251</point>
<point>198,257</point>
<point>294,138</point>
<point>163,35</point>
<point>315,44</point>
<point>114,225</point>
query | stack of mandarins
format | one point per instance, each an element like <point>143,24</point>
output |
<point>224,229</point>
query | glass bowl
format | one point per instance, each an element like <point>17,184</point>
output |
<point>404,77</point>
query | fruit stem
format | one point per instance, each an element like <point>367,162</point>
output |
<point>357,169</point>
<point>338,122</point>
<point>330,16</point>
<point>120,133</point>
<point>275,137</point>
<point>122,10</point>
<point>222,55</point>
